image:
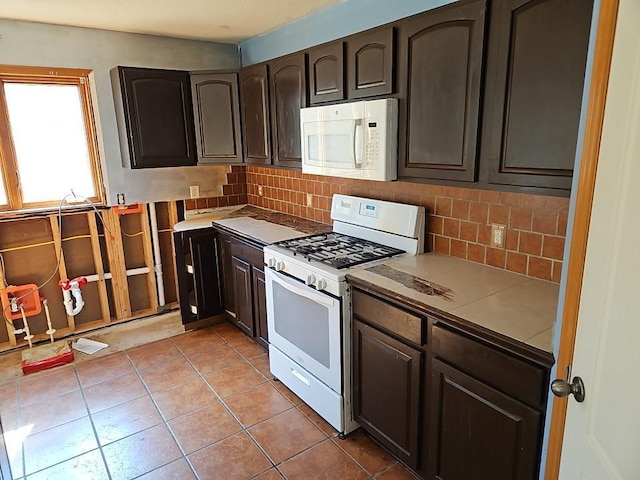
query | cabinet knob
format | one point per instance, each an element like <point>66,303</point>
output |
<point>561,388</point>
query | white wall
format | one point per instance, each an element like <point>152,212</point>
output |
<point>25,43</point>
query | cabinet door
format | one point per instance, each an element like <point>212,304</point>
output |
<point>288,86</point>
<point>216,106</point>
<point>185,278</point>
<point>478,432</point>
<point>260,307</point>
<point>386,390</point>
<point>243,298</point>
<point>158,117</point>
<point>254,91</point>
<point>326,73</point>
<point>370,63</point>
<point>441,57</point>
<point>205,260</point>
<point>228,290</point>
<point>536,61</point>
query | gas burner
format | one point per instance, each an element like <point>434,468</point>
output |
<point>338,250</point>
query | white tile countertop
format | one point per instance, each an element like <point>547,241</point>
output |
<point>513,305</point>
<point>196,219</point>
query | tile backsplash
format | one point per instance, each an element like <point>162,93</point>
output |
<point>234,192</point>
<point>459,219</point>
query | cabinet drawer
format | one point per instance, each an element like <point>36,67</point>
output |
<point>251,254</point>
<point>517,378</point>
<point>400,322</point>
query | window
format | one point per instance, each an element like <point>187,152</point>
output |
<point>47,137</point>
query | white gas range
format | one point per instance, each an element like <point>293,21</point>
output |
<point>308,301</point>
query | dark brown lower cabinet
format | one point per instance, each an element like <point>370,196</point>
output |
<point>450,400</point>
<point>260,307</point>
<point>244,293</point>
<point>198,266</point>
<point>243,296</point>
<point>478,432</point>
<point>387,381</point>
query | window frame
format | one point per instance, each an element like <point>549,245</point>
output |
<point>8,161</point>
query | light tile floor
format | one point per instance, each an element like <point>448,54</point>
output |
<point>197,405</point>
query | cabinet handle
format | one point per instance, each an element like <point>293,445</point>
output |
<point>300,377</point>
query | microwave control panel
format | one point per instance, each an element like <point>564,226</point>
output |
<point>373,143</point>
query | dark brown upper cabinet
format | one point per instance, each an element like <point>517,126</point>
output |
<point>216,105</point>
<point>155,117</point>
<point>440,79</point>
<point>536,62</point>
<point>370,63</point>
<point>288,89</point>
<point>254,91</point>
<point>326,73</point>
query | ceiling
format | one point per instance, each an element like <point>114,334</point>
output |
<point>228,21</point>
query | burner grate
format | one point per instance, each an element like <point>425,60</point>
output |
<point>338,250</point>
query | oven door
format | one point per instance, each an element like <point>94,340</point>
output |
<point>304,324</point>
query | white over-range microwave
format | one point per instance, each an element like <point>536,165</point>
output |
<point>352,140</point>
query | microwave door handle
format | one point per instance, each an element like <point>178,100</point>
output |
<point>358,143</point>
<point>318,298</point>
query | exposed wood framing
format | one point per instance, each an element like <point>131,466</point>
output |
<point>115,303</point>
<point>173,219</point>
<point>97,260</point>
<point>117,265</point>
<point>148,260</point>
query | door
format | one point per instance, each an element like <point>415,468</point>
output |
<point>370,63</point>
<point>260,307</point>
<point>243,299</point>
<point>602,434</point>
<point>441,54</point>
<point>205,259</point>
<point>216,106</point>
<point>158,117</point>
<point>386,390</point>
<point>288,88</point>
<point>305,324</point>
<point>254,91</point>
<point>478,432</point>
<point>326,73</point>
<point>536,60</point>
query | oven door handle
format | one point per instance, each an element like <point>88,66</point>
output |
<point>316,297</point>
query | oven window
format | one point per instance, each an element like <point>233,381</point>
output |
<point>302,322</point>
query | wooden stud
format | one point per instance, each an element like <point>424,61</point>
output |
<point>584,199</point>
<point>172,208</point>
<point>117,266</point>
<point>10,335</point>
<point>97,261</point>
<point>62,269</point>
<point>148,259</point>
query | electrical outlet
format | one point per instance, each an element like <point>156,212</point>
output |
<point>194,191</point>
<point>120,199</point>
<point>260,190</point>
<point>309,200</point>
<point>498,235</point>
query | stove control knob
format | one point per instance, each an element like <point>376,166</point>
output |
<point>321,284</point>
<point>271,262</point>
<point>279,266</point>
<point>311,280</point>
